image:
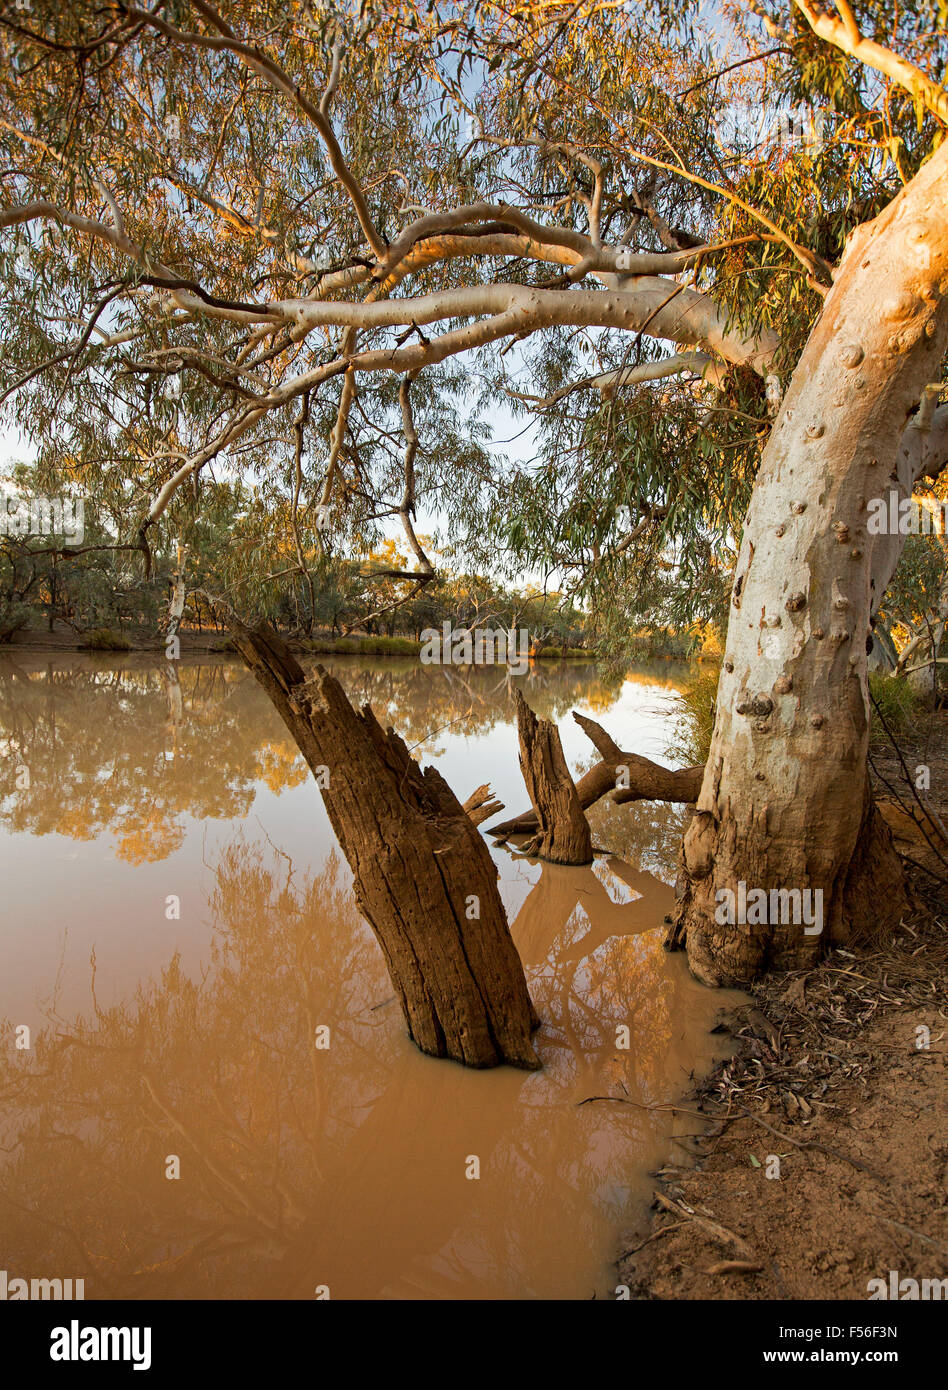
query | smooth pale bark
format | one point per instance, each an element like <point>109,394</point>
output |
<point>178,594</point>
<point>666,309</point>
<point>785,801</point>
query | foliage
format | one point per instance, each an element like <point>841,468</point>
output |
<point>366,646</point>
<point>694,718</point>
<point>894,704</point>
<point>103,639</point>
<point>148,321</point>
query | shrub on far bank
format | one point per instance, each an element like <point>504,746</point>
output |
<point>103,639</point>
<point>364,646</point>
<point>564,653</point>
<point>899,704</point>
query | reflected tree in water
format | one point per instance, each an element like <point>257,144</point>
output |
<point>302,1166</point>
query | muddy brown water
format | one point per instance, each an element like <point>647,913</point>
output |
<point>218,1098</point>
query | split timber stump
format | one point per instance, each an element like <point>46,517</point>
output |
<point>563,834</point>
<point>424,878</point>
<point>627,776</point>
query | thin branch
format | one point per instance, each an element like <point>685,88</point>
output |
<point>406,508</point>
<point>845,34</point>
<point>266,67</point>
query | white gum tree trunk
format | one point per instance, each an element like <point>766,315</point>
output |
<point>785,801</point>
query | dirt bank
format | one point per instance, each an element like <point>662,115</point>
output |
<point>841,1076</point>
<point>67,639</point>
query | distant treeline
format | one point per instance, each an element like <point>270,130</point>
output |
<point>99,593</point>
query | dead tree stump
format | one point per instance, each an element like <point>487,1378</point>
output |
<point>424,878</point>
<point>563,832</point>
<point>481,804</point>
<point>626,776</point>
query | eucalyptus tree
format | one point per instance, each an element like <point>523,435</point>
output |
<point>308,244</point>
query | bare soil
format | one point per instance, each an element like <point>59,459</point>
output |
<point>835,1076</point>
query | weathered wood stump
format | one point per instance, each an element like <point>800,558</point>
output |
<point>563,832</point>
<point>424,878</point>
<point>481,804</point>
<point>646,781</point>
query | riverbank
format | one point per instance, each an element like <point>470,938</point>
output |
<point>198,640</point>
<point>821,1156</point>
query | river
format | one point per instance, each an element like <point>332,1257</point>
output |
<point>218,1097</point>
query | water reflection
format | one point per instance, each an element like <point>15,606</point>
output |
<point>345,1165</point>
<point>303,1165</point>
<point>122,749</point>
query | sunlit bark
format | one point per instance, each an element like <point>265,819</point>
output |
<point>785,801</point>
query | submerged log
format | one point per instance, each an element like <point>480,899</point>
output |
<point>650,781</point>
<point>563,832</point>
<point>629,776</point>
<point>424,878</point>
<point>604,744</point>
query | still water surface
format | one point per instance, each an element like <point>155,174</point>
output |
<point>179,931</point>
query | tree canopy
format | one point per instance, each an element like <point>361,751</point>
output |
<point>312,248</point>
